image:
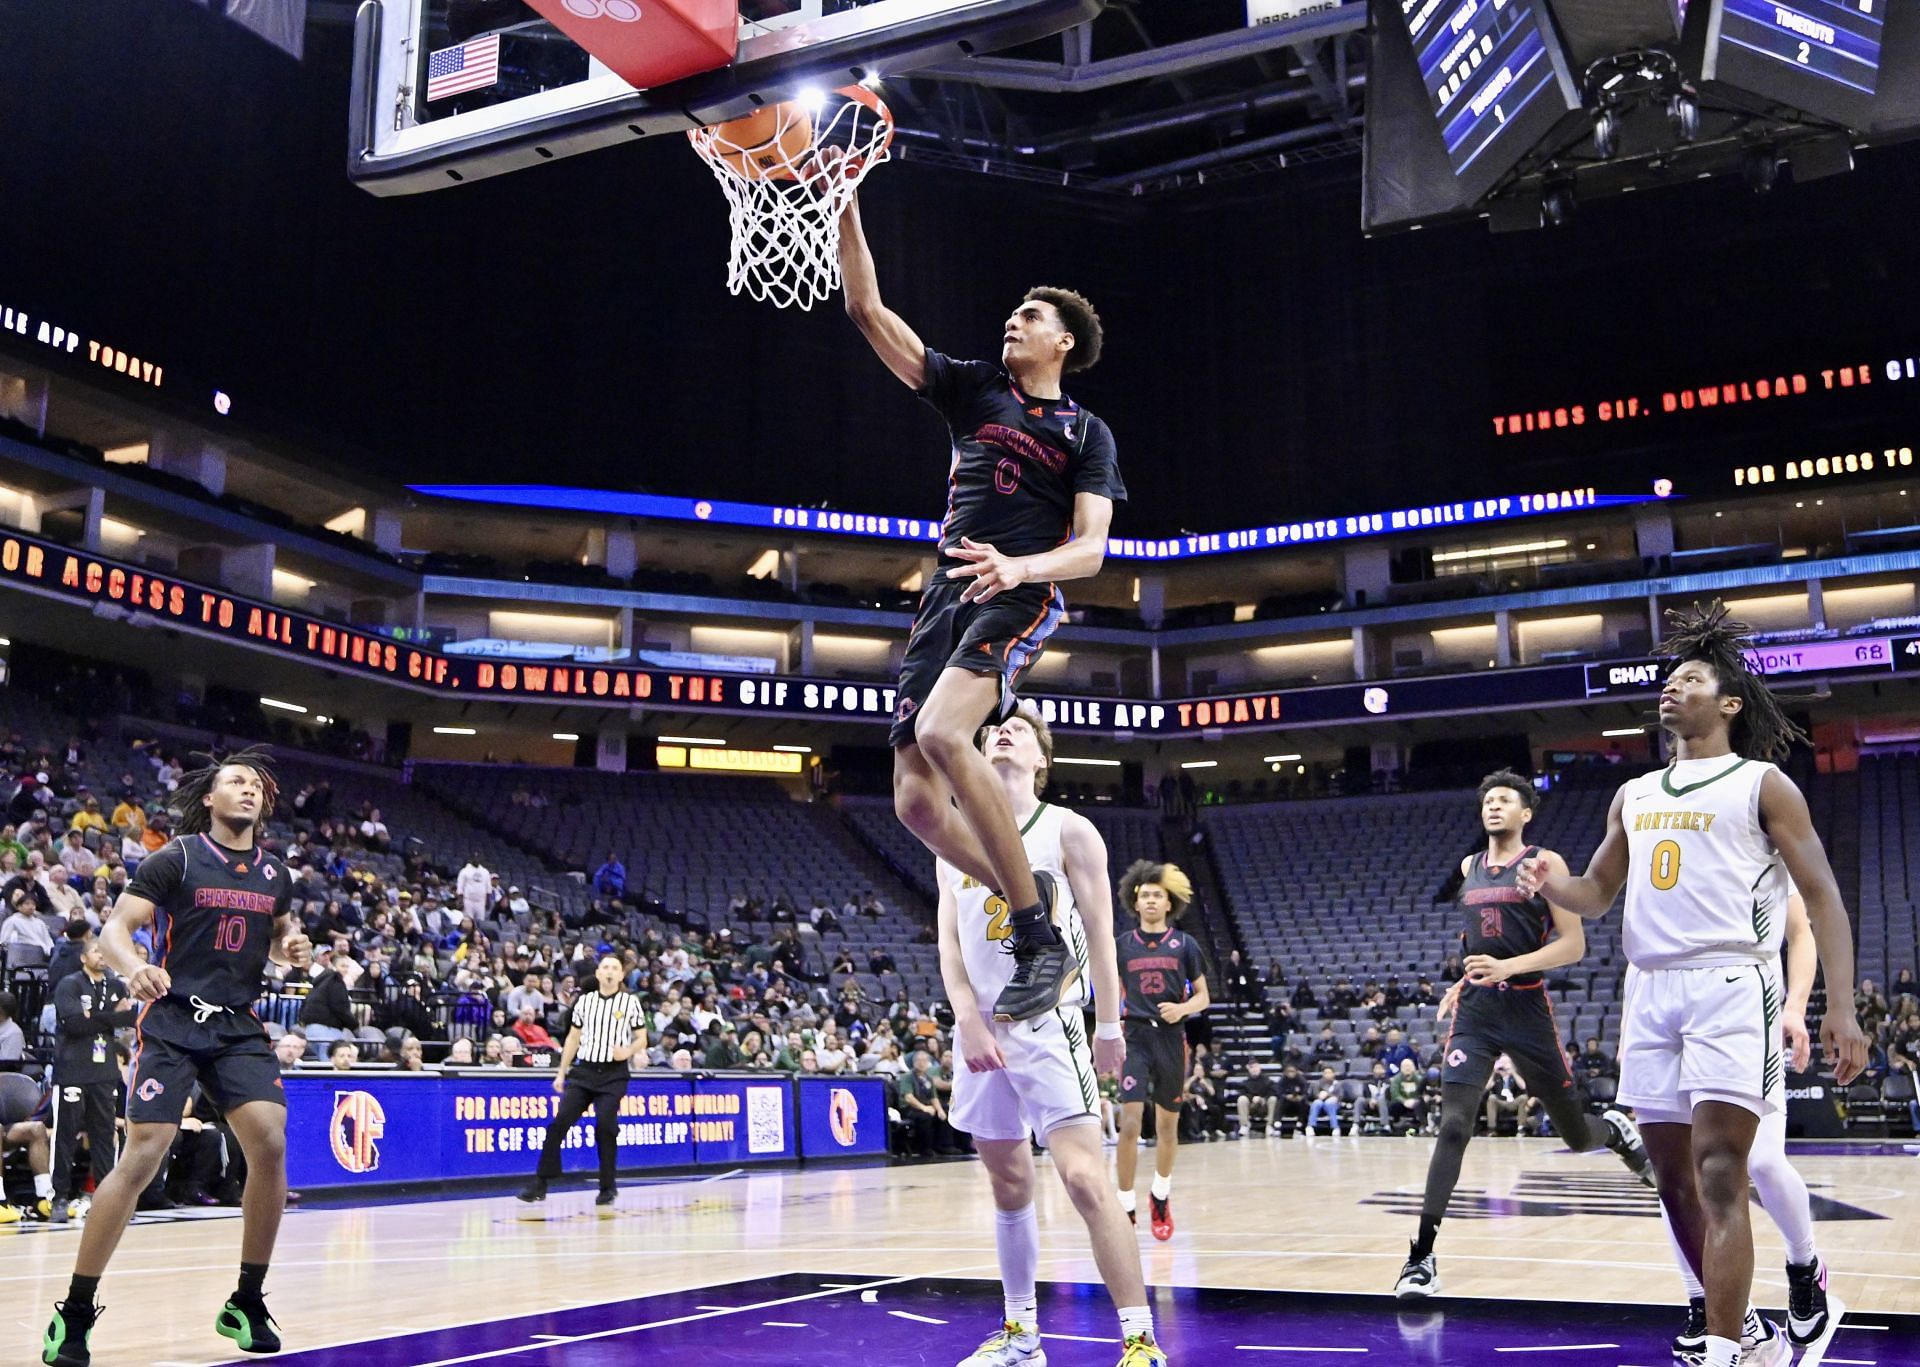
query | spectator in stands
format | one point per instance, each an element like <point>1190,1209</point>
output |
<point>1303,998</point>
<point>1292,1088</point>
<point>89,818</point>
<point>159,831</point>
<point>472,884</point>
<point>821,915</point>
<point>831,1054</point>
<point>460,1054</point>
<point>1370,1043</point>
<point>1259,1099</point>
<point>289,1049</point>
<point>1904,985</point>
<point>921,1109</point>
<point>9,844</point>
<point>1506,1096</point>
<point>517,903</point>
<point>374,831</point>
<point>1204,1116</point>
<point>24,937</point>
<point>526,996</point>
<point>79,861</point>
<point>1377,1007</point>
<point>327,1014</point>
<point>1326,1049</point>
<point>343,1055</point>
<point>412,1055</point>
<point>1406,1104</point>
<point>1326,1104</point>
<point>68,953</point>
<point>1344,996</point>
<point>1375,1096</point>
<point>1243,983</point>
<point>531,1031</point>
<point>725,1050</point>
<point>1594,1061</point>
<point>1452,968</point>
<point>1871,1006</point>
<point>1396,1051</point>
<point>610,879</point>
<point>1423,993</point>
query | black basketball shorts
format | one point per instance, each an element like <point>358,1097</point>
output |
<point>233,1069</point>
<point>1002,636</point>
<point>1517,1022</point>
<point>1156,1066</point>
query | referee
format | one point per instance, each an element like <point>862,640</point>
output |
<point>606,1028</point>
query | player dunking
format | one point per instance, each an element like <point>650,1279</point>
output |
<point>1030,494</point>
<point>1700,848</point>
<point>217,904</point>
<point>1038,1077</point>
<point>1165,978</point>
<point>1782,1191</point>
<point>1501,1007</point>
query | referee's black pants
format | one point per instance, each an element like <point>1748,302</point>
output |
<point>601,1086</point>
<point>83,1108</point>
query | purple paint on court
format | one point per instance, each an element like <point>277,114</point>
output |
<point>934,1322</point>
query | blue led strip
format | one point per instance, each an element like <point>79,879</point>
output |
<point>1463,513</point>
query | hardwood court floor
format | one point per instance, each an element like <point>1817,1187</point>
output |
<point>1530,1222</point>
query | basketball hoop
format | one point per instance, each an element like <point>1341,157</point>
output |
<point>788,172</point>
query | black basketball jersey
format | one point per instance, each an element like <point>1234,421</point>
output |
<point>1157,968</point>
<point>1501,920</point>
<point>214,910</point>
<point>1017,461</point>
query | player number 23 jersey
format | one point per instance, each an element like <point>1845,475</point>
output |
<point>984,918</point>
<point>1705,886</point>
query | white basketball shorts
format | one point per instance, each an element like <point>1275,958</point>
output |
<point>1048,1081</point>
<point>1690,1035</point>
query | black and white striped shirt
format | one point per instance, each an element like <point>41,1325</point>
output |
<point>605,1023</point>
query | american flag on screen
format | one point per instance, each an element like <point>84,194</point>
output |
<point>470,66</point>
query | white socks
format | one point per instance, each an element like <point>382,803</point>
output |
<point>1783,1194</point>
<point>1128,1201</point>
<point>43,1185</point>
<point>1016,1237</point>
<point>1162,1187</point>
<point>1135,1319</point>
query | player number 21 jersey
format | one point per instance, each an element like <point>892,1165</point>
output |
<point>1705,886</point>
<point>984,918</point>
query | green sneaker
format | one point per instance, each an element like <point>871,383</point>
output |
<point>66,1343</point>
<point>247,1323</point>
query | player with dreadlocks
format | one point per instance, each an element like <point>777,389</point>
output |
<point>1705,849</point>
<point>217,906</point>
<point>1164,977</point>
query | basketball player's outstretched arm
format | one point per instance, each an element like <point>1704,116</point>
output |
<point>970,1029</point>
<point>1085,855</point>
<point>1592,894</point>
<point>896,344</point>
<point>1788,823</point>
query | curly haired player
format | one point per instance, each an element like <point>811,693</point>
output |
<point>217,905</point>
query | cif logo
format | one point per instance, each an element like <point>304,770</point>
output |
<point>358,1122</point>
<point>843,1115</point>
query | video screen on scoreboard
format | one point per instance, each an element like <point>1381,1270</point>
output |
<point>1821,56</point>
<point>1496,77</point>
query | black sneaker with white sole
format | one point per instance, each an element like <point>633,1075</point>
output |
<point>1690,1344</point>
<point>1626,1142</point>
<point>1419,1278</point>
<point>1043,968</point>
<point>1809,1309</point>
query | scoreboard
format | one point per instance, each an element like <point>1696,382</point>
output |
<point>1496,76</point>
<point>1822,56</point>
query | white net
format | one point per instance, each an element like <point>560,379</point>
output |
<point>785,194</point>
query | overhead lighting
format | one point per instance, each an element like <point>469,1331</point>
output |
<point>1488,552</point>
<point>4,641</point>
<point>913,583</point>
<point>1280,759</point>
<point>120,531</point>
<point>1088,763</point>
<point>1200,764</point>
<point>565,735</point>
<point>1627,731</point>
<point>688,740</point>
<point>454,731</point>
<point>289,582</point>
<point>319,720</point>
<point>283,706</point>
<point>765,566</point>
<point>794,749</point>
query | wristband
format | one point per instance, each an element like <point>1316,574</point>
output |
<point>1109,1030</point>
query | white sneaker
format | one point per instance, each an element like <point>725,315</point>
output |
<point>1772,1350</point>
<point>1015,1345</point>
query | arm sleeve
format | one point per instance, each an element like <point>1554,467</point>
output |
<point>952,385</point>
<point>160,874</point>
<point>1097,471</point>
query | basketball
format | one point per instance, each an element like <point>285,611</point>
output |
<point>767,144</point>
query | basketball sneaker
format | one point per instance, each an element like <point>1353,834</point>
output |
<point>1043,970</point>
<point>1626,1142</point>
<point>66,1343</point>
<point>1809,1308</point>
<point>1768,1348</point>
<point>1161,1212</point>
<point>1141,1351</point>
<point>1015,1345</point>
<point>245,1320</point>
<point>10,1215</point>
<point>58,1212</point>
<point>1419,1277</point>
<point>1690,1344</point>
